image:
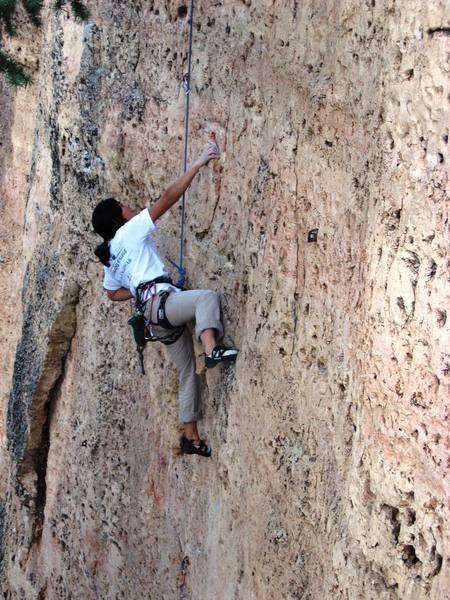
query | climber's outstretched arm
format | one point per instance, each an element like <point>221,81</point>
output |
<point>173,193</point>
<point>177,189</point>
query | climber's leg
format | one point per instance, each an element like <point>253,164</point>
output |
<point>182,354</point>
<point>201,305</point>
<point>180,308</point>
<point>204,307</point>
<point>209,340</point>
<point>191,431</point>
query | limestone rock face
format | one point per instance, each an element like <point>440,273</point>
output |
<point>329,475</point>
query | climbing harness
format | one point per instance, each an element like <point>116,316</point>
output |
<point>143,328</point>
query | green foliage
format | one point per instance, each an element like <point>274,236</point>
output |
<point>80,11</point>
<point>7,8</point>
<point>15,75</point>
<point>13,71</point>
<point>7,5</point>
<point>33,8</point>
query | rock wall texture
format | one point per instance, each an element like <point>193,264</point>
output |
<point>330,469</point>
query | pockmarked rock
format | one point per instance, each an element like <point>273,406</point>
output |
<point>329,476</point>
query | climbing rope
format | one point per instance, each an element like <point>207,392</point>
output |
<point>186,85</point>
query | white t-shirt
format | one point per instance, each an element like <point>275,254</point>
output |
<point>134,258</point>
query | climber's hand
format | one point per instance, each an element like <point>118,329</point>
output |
<point>210,152</point>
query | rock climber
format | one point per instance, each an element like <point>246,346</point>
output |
<point>134,269</point>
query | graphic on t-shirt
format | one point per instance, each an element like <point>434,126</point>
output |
<point>118,260</point>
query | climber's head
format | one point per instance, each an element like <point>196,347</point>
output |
<point>107,218</point>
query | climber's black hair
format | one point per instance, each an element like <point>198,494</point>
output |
<point>106,220</point>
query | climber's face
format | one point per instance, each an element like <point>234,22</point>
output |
<point>127,212</point>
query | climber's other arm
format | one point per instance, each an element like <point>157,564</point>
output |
<point>177,189</point>
<point>119,295</point>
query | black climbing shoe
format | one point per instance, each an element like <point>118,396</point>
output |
<point>220,354</point>
<point>190,447</point>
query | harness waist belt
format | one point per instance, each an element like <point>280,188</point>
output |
<point>146,284</point>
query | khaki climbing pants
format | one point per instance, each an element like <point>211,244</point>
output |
<point>203,306</point>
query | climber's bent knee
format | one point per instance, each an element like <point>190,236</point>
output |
<point>207,314</point>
